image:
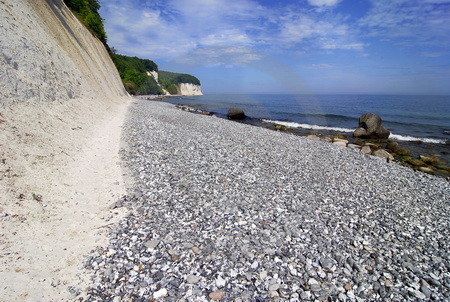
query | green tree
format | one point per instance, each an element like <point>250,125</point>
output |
<point>133,72</point>
<point>87,12</point>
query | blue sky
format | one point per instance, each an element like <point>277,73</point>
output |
<point>302,46</point>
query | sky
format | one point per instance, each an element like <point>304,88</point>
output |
<point>291,46</point>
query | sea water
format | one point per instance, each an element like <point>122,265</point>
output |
<point>408,117</point>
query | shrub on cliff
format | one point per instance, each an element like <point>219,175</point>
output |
<point>133,72</point>
<point>171,88</point>
<point>166,77</point>
<point>169,80</point>
<point>87,12</point>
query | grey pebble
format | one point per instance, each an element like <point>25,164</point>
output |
<point>265,216</point>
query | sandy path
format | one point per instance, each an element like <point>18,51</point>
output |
<point>44,241</point>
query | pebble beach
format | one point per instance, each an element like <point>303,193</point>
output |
<point>224,211</point>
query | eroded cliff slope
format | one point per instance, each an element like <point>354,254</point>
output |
<point>47,55</point>
<point>62,104</point>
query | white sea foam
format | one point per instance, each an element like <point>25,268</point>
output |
<point>338,129</point>
<point>412,138</point>
<point>308,126</point>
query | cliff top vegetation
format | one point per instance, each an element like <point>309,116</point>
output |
<point>177,78</point>
<point>87,12</point>
<point>132,70</point>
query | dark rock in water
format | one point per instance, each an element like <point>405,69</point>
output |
<point>415,162</point>
<point>430,160</point>
<point>370,127</point>
<point>394,147</point>
<point>236,114</point>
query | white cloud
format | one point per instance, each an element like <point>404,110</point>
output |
<point>330,34</point>
<point>433,54</point>
<point>323,2</point>
<point>219,55</point>
<point>224,37</point>
<point>411,22</point>
<point>437,1</point>
<point>351,46</point>
<point>320,66</point>
<point>172,28</point>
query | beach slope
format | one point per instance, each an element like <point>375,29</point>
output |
<point>225,210</point>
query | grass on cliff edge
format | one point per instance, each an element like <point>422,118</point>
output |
<point>87,12</point>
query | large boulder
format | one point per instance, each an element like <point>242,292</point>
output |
<point>235,114</point>
<point>395,147</point>
<point>370,127</point>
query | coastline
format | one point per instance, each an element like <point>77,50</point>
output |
<point>416,148</point>
<point>228,211</point>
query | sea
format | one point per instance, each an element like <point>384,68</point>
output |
<point>416,118</point>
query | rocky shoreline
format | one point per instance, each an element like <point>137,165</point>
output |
<point>423,157</point>
<point>226,211</point>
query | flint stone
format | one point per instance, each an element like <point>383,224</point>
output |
<point>327,264</point>
<point>426,291</point>
<point>417,294</point>
<point>192,279</point>
<point>274,287</point>
<point>370,127</point>
<point>236,114</point>
<point>152,244</point>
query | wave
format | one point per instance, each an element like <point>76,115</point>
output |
<point>347,130</point>
<point>308,126</point>
<point>413,139</point>
<point>319,115</point>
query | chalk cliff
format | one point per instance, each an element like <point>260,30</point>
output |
<point>48,55</point>
<point>189,89</point>
<point>62,104</point>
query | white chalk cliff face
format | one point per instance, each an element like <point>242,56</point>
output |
<point>153,74</point>
<point>189,89</point>
<point>48,55</point>
<point>62,103</point>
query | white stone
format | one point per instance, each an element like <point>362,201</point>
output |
<point>263,275</point>
<point>191,279</point>
<point>160,293</point>
<point>220,282</point>
<point>339,143</point>
<point>340,140</point>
